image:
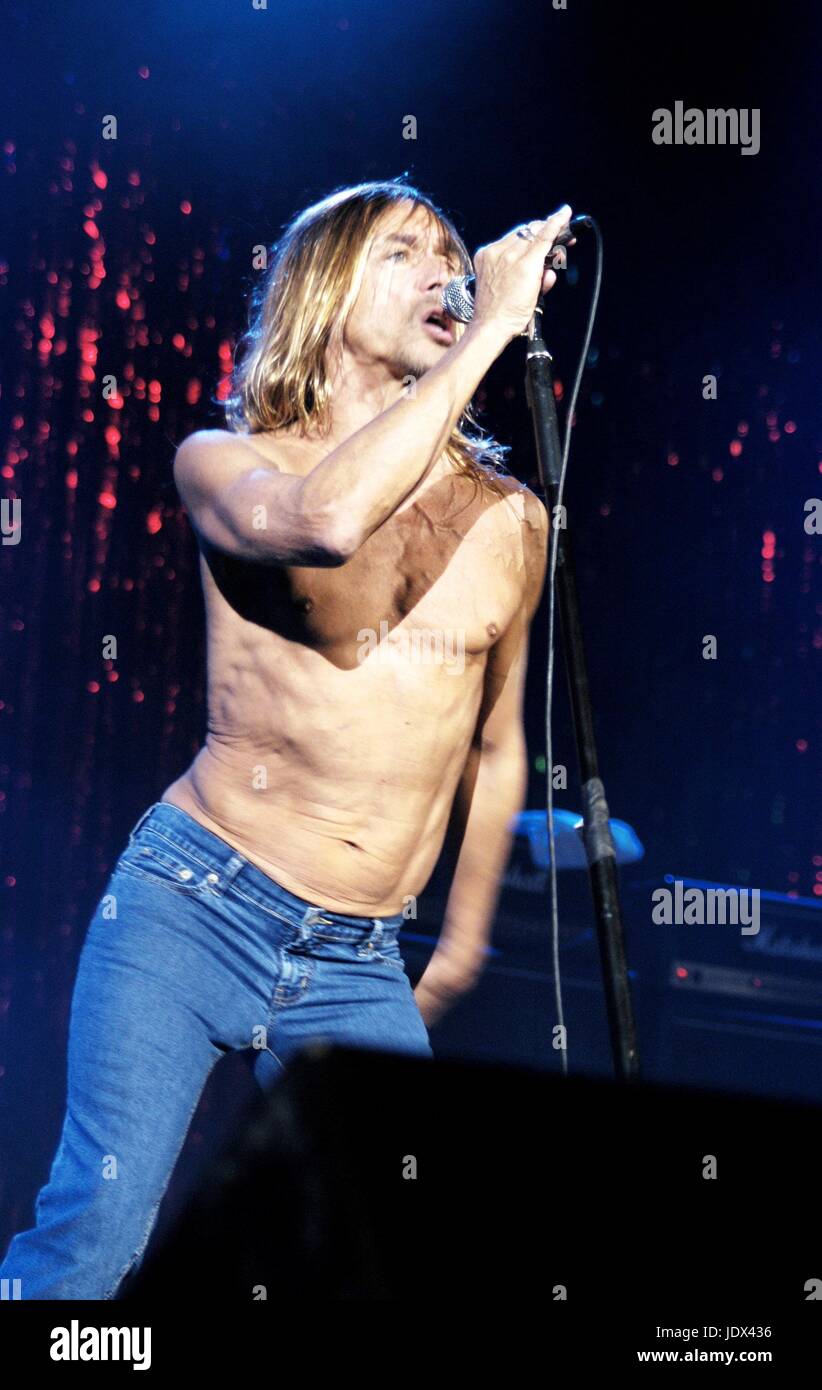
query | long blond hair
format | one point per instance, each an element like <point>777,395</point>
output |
<point>301,305</point>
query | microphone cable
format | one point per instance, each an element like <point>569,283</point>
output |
<point>553,550</point>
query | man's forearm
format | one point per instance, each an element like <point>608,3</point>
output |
<point>369,475</point>
<point>491,793</point>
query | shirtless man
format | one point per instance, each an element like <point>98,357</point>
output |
<point>258,903</point>
<point>369,531</point>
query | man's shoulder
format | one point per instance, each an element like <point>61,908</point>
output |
<point>524,519</point>
<point>525,508</point>
<point>212,447</point>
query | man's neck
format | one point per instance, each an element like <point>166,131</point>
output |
<point>359,393</point>
<point>358,396</point>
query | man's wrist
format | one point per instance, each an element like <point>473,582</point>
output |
<point>457,961</point>
<point>493,335</point>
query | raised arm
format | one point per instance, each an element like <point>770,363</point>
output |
<point>240,502</point>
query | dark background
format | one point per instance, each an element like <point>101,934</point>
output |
<point>231,120</point>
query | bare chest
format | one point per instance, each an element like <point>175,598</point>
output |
<point>443,573</point>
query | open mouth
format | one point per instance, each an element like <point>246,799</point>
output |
<point>439,327</point>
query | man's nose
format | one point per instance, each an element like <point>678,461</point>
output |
<point>437,273</point>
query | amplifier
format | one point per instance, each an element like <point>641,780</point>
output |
<point>764,947</point>
<point>718,1002</point>
<point>730,1003</point>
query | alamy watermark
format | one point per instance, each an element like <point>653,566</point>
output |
<point>698,907</point>
<point>714,126</point>
<point>10,520</point>
<point>421,646</point>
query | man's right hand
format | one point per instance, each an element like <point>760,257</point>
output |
<point>449,974</point>
<point>511,273</point>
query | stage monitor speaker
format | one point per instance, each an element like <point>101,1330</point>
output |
<point>366,1174</point>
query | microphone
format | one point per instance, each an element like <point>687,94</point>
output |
<point>457,299</point>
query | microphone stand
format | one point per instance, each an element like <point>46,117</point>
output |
<point>596,831</point>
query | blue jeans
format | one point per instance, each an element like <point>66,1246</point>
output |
<point>192,951</point>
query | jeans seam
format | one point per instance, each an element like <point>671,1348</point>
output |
<point>232,888</point>
<point>147,1232</point>
<point>140,1248</point>
<point>203,864</point>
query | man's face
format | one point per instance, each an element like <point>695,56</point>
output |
<point>403,282</point>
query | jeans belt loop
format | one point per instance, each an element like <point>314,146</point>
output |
<point>143,818</point>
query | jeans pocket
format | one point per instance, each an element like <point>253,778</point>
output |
<point>152,857</point>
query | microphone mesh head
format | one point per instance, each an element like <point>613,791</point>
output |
<point>457,299</point>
